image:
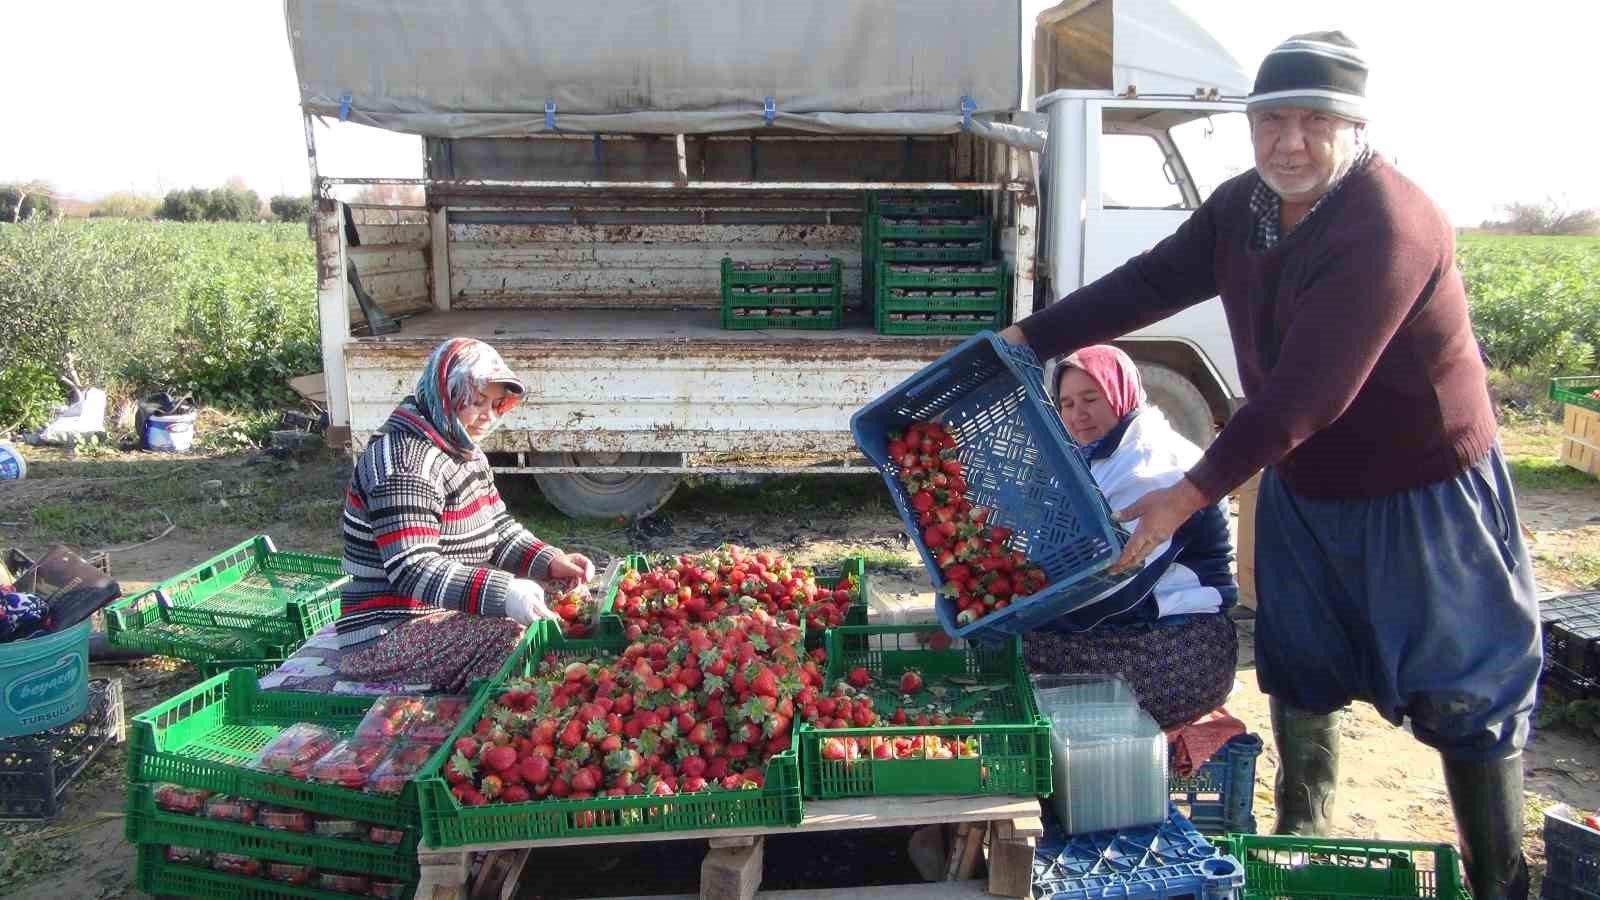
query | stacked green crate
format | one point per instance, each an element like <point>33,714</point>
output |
<point>940,298</point>
<point>906,206</point>
<point>807,294</point>
<point>201,740</point>
<point>248,605</point>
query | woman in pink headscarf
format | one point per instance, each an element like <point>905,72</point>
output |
<point>1167,630</point>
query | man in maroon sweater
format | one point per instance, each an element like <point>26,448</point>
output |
<point>1389,560</point>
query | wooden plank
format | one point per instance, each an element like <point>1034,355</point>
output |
<point>439,257</point>
<point>1028,827</point>
<point>394,234</point>
<point>743,840</point>
<point>824,815</point>
<point>725,235</point>
<point>1580,439</point>
<point>967,851</point>
<point>732,873</point>
<point>1010,861</point>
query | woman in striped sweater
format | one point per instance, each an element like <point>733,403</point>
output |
<point>442,579</point>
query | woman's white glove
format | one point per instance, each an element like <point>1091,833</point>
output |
<point>525,603</point>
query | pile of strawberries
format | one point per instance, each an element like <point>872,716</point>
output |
<point>982,573</point>
<point>728,581</point>
<point>703,710</point>
<point>914,704</point>
<point>577,608</point>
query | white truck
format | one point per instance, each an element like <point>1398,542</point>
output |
<point>587,166</point>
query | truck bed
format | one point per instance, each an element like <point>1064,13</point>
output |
<point>651,381</point>
<point>670,332</point>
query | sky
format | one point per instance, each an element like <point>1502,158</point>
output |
<point>1480,107</point>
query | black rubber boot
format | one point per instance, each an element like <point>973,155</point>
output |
<point>1308,768</point>
<point>1487,799</point>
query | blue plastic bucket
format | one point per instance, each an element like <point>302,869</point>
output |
<point>44,681</point>
<point>170,434</point>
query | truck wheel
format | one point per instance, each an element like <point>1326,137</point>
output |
<point>599,494</point>
<point>1180,401</point>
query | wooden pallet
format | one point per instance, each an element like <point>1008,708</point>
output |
<point>1006,826</point>
<point>1580,439</point>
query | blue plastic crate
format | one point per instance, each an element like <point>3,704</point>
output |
<point>1572,852</point>
<point>1219,798</point>
<point>1169,860</point>
<point>1018,461</point>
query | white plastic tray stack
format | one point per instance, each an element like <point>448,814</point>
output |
<point>1109,756</point>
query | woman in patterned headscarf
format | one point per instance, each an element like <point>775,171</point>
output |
<point>442,579</point>
<point>1167,630</point>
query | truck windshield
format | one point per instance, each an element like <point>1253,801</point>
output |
<point>1214,148</point>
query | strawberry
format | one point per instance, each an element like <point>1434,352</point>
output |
<point>467,747</point>
<point>514,793</point>
<point>536,769</point>
<point>910,681</point>
<point>499,759</point>
<point>859,678</point>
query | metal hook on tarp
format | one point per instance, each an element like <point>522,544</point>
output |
<point>769,109</point>
<point>344,107</point>
<point>550,114</point>
<point>968,107</point>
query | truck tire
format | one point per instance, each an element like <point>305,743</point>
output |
<point>1180,401</point>
<point>598,494</point>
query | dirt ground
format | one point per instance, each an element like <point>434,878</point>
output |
<point>1391,784</point>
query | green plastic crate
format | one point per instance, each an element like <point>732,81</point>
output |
<point>446,823</point>
<point>1576,391</point>
<point>266,596</point>
<point>213,649</point>
<point>1302,868</point>
<point>923,203</point>
<point>990,275</point>
<point>988,314</point>
<point>934,252</point>
<point>262,667</point>
<point>971,228</point>
<point>147,823</point>
<point>203,737</point>
<point>1013,741</point>
<point>159,878</point>
<point>877,227</point>
<point>744,289</point>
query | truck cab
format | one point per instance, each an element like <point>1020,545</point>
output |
<point>577,204</point>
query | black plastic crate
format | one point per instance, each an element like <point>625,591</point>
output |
<point>1572,852</point>
<point>1571,626</point>
<point>36,769</point>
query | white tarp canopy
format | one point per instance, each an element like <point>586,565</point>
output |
<point>493,68</point>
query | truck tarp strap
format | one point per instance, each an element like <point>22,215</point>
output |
<point>344,107</point>
<point>967,109</point>
<point>550,114</point>
<point>768,109</point>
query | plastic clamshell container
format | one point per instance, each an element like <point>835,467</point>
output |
<point>1109,768</point>
<point>1059,692</point>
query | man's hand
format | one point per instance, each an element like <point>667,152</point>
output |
<point>1012,334</point>
<point>574,566</point>
<point>1160,514</point>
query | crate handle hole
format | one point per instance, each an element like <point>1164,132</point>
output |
<point>1220,867</point>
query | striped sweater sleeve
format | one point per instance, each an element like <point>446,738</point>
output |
<point>405,510</point>
<point>518,550</point>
